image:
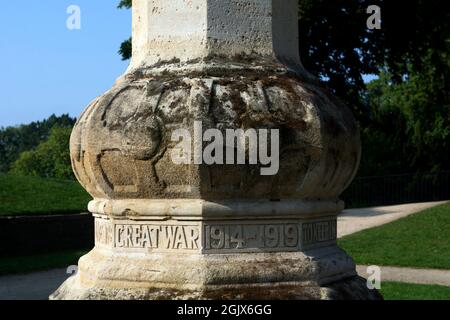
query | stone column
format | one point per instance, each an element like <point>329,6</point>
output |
<point>222,231</point>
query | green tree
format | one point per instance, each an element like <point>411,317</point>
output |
<point>410,128</point>
<point>125,4</point>
<point>50,159</point>
<point>337,46</point>
<point>15,140</point>
<point>126,47</point>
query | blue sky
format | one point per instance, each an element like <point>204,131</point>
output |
<point>46,68</point>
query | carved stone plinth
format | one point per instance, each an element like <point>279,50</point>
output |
<point>217,250</point>
<point>220,231</point>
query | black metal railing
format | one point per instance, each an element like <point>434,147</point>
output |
<point>397,189</point>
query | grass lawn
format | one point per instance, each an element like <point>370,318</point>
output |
<point>33,196</point>
<point>40,262</point>
<point>407,291</point>
<point>421,240</point>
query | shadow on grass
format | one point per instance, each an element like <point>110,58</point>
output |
<point>40,262</point>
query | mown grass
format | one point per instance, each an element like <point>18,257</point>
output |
<point>407,291</point>
<point>421,240</point>
<point>38,196</point>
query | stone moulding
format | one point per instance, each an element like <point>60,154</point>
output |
<point>196,209</point>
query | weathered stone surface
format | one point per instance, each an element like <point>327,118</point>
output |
<point>221,235</point>
<point>114,273</point>
<point>352,288</point>
<point>196,30</point>
<point>197,231</point>
<point>121,145</point>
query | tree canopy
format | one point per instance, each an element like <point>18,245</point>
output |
<point>410,121</point>
<point>50,159</point>
<point>15,140</point>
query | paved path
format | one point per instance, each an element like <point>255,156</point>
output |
<point>34,286</point>
<point>354,220</point>
<point>410,275</point>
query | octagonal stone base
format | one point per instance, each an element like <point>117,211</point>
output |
<point>272,252</point>
<point>107,276</point>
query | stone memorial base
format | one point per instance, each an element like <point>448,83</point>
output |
<point>170,229</point>
<point>193,249</point>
